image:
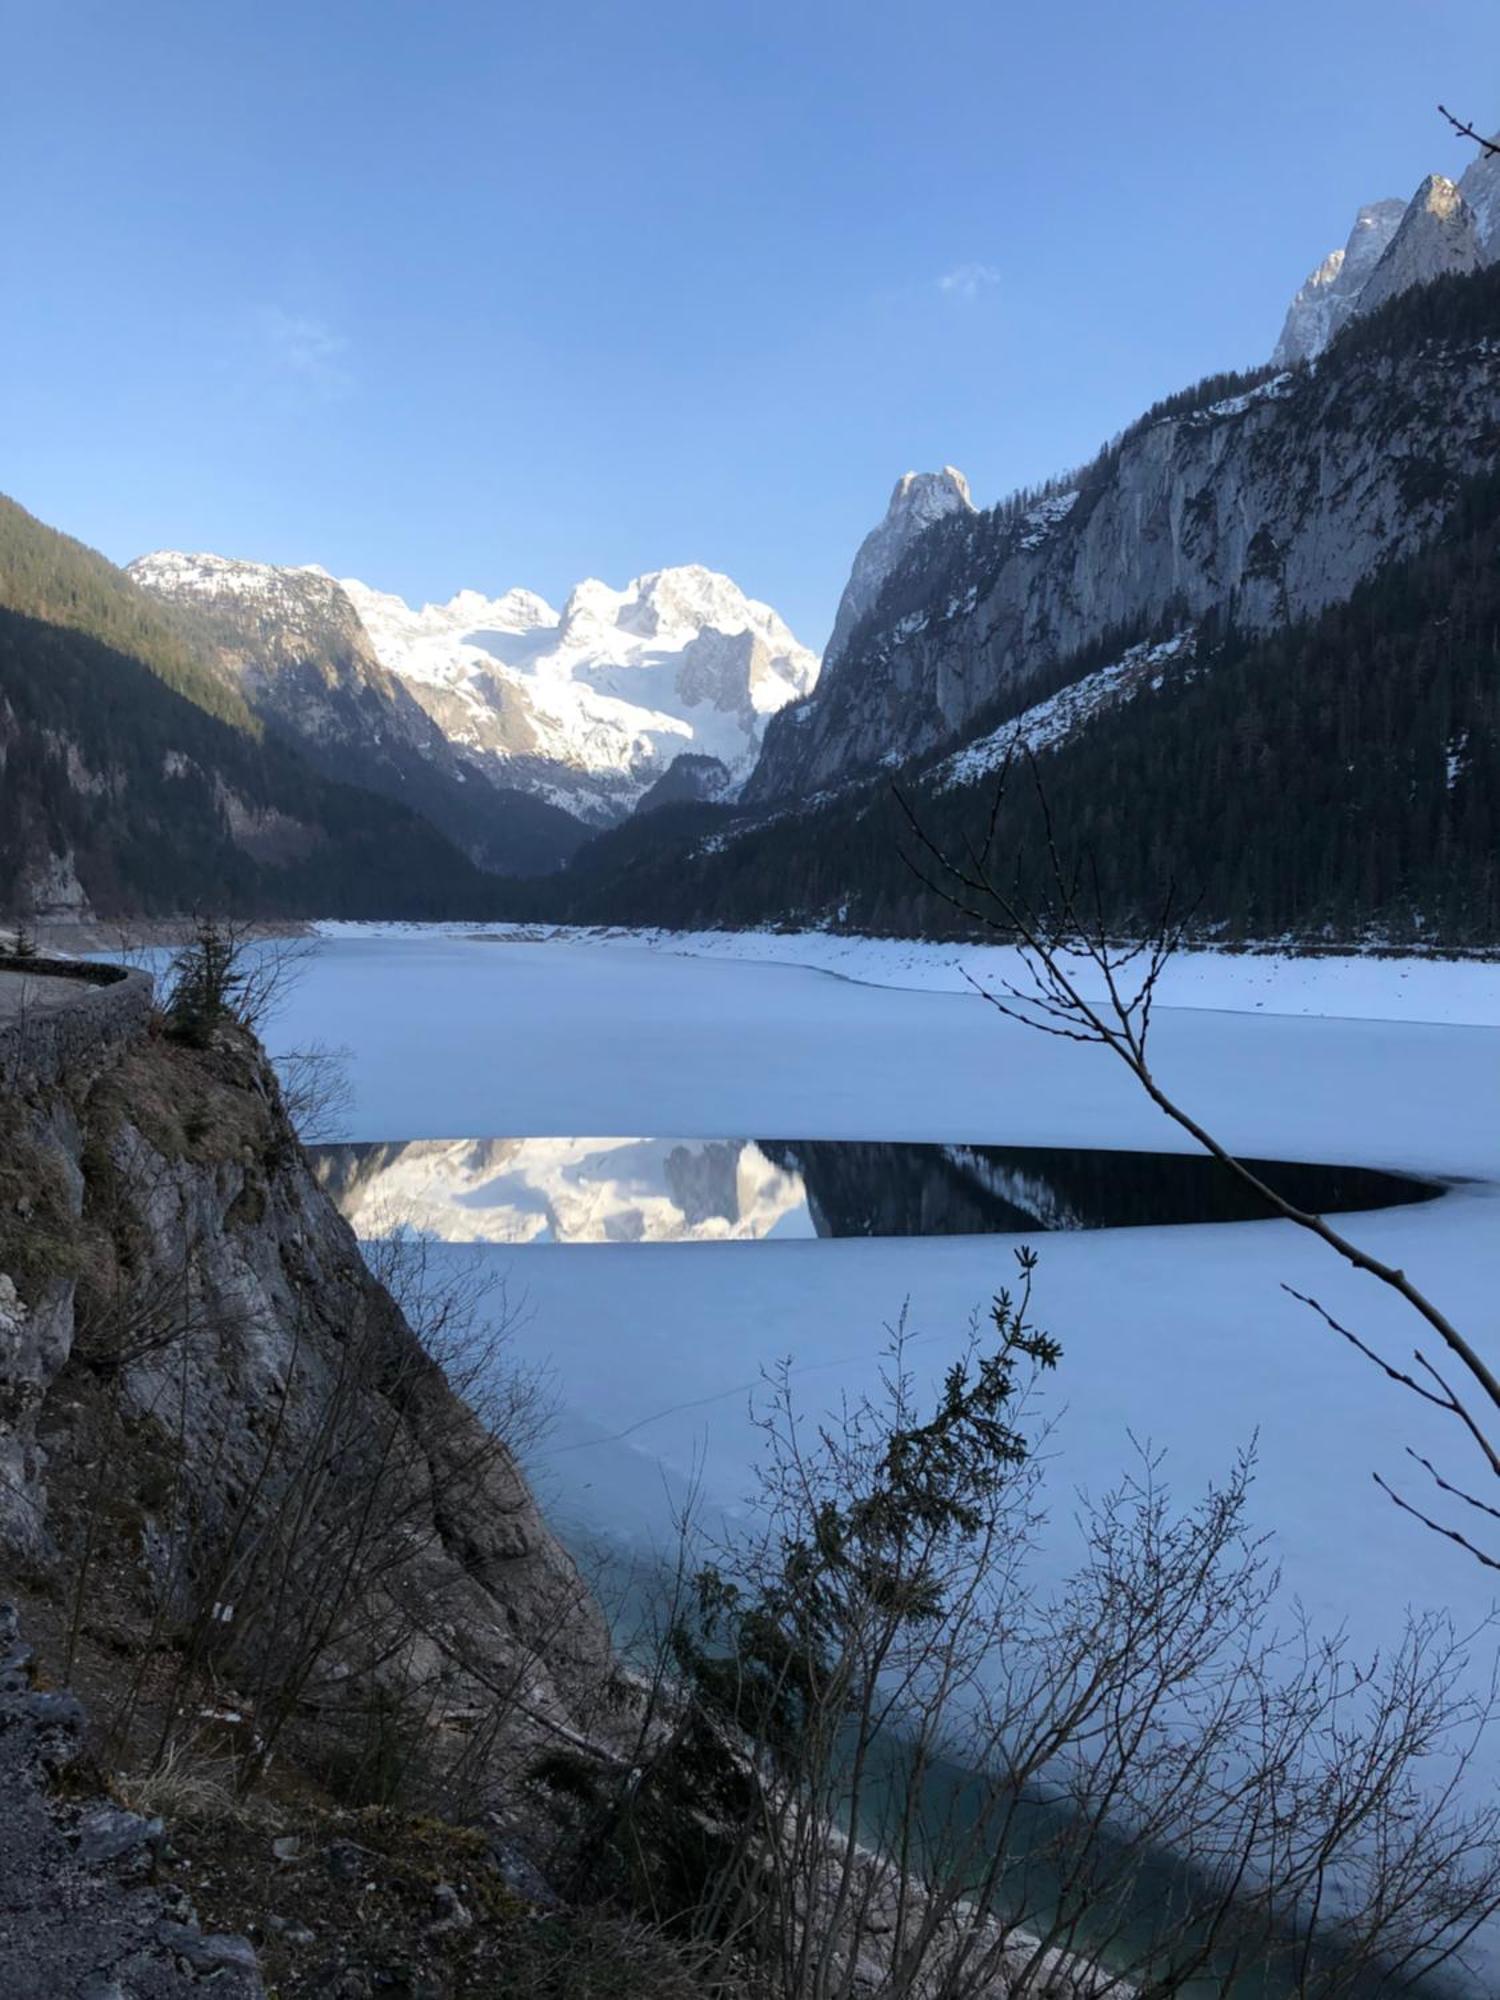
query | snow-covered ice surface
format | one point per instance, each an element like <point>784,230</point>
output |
<point>1366,985</point>
<point>1183,1335</point>
<point>1180,1336</point>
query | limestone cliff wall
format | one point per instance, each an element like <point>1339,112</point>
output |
<point>1261,508</point>
<point>181,1305</point>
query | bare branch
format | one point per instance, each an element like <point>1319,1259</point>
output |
<point>1489,148</point>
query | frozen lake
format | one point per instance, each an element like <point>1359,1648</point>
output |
<point>1178,1335</point>
<point>1180,1338</point>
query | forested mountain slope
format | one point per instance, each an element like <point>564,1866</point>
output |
<point>291,642</point>
<point>133,777</point>
<point>1259,500</point>
<point>1340,775</point>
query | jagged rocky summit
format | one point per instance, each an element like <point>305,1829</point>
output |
<point>1328,298</point>
<point>589,706</point>
<point>917,501</point>
<point>1447,227</point>
<point>1262,506</point>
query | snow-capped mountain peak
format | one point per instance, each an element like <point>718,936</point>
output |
<point>180,572</point>
<point>587,708</point>
<point>590,706</point>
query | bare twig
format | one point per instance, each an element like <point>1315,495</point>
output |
<point>1488,147</point>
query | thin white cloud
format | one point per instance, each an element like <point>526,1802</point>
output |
<point>305,350</point>
<point>968,281</point>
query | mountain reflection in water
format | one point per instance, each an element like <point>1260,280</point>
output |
<point>748,1190</point>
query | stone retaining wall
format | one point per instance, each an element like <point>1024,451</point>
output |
<point>44,1045</point>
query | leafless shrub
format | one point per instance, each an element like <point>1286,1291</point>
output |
<point>185,1783</point>
<point>465,1320</point>
<point>1488,149</point>
<point>316,1091</point>
<point>895,1763</point>
<point>336,1597</point>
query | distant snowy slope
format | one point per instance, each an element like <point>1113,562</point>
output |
<point>590,706</point>
<point>1048,724</point>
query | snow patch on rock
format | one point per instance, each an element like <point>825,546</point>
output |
<point>1049,724</point>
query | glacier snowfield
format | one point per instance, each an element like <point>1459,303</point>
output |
<point>1180,1338</point>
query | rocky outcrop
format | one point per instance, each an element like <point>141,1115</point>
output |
<point>182,1304</point>
<point>1480,188</point>
<point>1328,297</point>
<point>81,1914</point>
<point>687,780</point>
<point>918,500</point>
<point>1438,238</point>
<point>1262,506</point>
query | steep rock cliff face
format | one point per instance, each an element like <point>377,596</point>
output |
<point>1438,238</point>
<point>203,1386</point>
<point>918,500</point>
<point>1480,188</point>
<point>1263,507</point>
<point>1327,299</point>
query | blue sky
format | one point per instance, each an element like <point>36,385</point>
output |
<point>446,294</point>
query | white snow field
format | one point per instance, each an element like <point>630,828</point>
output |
<point>1180,1336</point>
<point>1367,985</point>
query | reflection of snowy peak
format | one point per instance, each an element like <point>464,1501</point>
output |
<point>591,705</point>
<point>567,1190</point>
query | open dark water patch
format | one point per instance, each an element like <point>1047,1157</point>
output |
<point>648,1190</point>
